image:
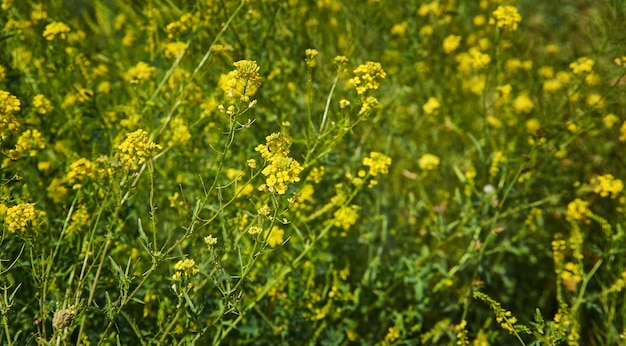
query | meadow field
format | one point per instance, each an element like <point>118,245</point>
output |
<point>313,172</point>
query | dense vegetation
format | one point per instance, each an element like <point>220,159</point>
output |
<point>326,172</point>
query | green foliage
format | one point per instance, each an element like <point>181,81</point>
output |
<point>323,172</point>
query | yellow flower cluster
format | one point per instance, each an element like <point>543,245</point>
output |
<point>571,275</point>
<point>367,76</point>
<point>523,103</point>
<point>582,66</point>
<point>172,50</point>
<point>9,105</point>
<point>276,236</point>
<point>30,141</point>
<point>578,209</point>
<point>346,216</point>
<point>242,82</point>
<point>137,149</point>
<point>428,162</point>
<point>281,170</point>
<point>451,43</point>
<point>431,106</point>
<point>80,170</point>
<point>310,54</point>
<point>186,267</point>
<point>378,163</point>
<point>19,217</point>
<point>506,17</point>
<point>41,104</point>
<point>55,29</point>
<point>179,27</point>
<point>607,184</point>
<point>140,72</point>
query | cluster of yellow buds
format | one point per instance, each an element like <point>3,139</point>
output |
<point>281,170</point>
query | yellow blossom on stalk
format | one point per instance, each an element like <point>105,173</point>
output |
<point>523,103</point>
<point>607,184</point>
<point>172,50</point>
<point>595,100</point>
<point>210,240</point>
<point>281,170</point>
<point>378,163</point>
<point>140,72</point>
<point>56,190</point>
<point>367,77</point>
<point>479,59</point>
<point>582,66</point>
<point>41,104</point>
<point>18,218</point>
<point>55,29</point>
<point>399,29</point>
<point>185,268</point>
<point>30,141</point>
<point>431,106</point>
<point>578,209</point>
<point>622,132</point>
<point>506,17</point>
<point>136,149</point>
<point>316,174</point>
<point>346,216</point>
<point>311,54</point>
<point>610,119</point>
<point>552,85</point>
<point>451,43</point>
<point>180,132</point>
<point>532,125</point>
<point>498,157</point>
<point>369,103</point>
<point>79,171</point>
<point>9,105</point>
<point>428,162</point>
<point>242,82</point>
<point>276,236</point>
<point>3,73</point>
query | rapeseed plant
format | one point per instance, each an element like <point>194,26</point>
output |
<point>274,172</point>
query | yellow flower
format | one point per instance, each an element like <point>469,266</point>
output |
<point>610,119</point>
<point>281,170</point>
<point>346,216</point>
<point>41,104</point>
<point>578,209</point>
<point>30,141</point>
<point>607,184</point>
<point>186,268</point>
<point>506,17</point>
<point>140,72</point>
<point>582,66</point>
<point>532,125</point>
<point>431,106</point>
<point>172,50</point>
<point>451,43</point>
<point>20,217</point>
<point>378,163</point>
<point>523,103</point>
<point>137,149</point>
<point>242,82</point>
<point>622,132</point>
<point>80,170</point>
<point>428,162</point>
<point>55,29</point>
<point>367,76</point>
<point>276,236</point>
<point>399,29</point>
<point>311,54</point>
